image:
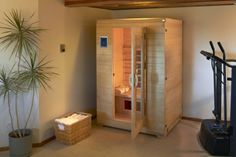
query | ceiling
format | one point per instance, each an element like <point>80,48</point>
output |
<point>142,4</point>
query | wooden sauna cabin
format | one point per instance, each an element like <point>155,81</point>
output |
<point>139,74</point>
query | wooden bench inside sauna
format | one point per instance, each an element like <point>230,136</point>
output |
<point>139,74</point>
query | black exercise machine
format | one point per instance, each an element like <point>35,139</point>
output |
<point>218,136</point>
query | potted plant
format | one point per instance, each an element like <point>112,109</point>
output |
<point>20,37</point>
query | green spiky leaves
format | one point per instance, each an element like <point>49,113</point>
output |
<point>19,35</point>
<point>20,38</point>
<point>34,74</point>
<point>8,83</point>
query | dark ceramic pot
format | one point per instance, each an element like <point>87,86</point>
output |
<point>20,147</point>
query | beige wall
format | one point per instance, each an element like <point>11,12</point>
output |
<point>80,59</point>
<point>27,7</point>
<point>75,87</point>
<point>52,102</point>
<point>200,24</point>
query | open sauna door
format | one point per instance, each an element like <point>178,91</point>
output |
<point>138,80</point>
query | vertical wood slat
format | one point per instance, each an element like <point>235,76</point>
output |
<point>173,85</point>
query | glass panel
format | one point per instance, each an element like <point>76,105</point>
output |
<point>139,80</point>
<point>128,76</point>
<point>122,73</point>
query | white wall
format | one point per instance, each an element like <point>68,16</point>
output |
<point>27,7</point>
<point>75,87</point>
<point>200,24</point>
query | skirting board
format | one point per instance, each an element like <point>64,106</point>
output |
<point>4,149</point>
<point>192,119</point>
<point>35,145</point>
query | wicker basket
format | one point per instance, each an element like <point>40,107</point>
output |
<point>74,133</point>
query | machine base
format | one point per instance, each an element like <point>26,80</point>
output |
<point>214,140</point>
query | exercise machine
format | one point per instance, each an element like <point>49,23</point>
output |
<point>218,136</point>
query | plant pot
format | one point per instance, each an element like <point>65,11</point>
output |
<point>20,147</point>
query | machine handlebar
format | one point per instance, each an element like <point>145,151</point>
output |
<point>212,47</point>
<point>211,56</point>
<point>222,50</point>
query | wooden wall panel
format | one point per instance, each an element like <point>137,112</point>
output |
<point>118,57</point>
<point>154,24</point>
<point>173,62</point>
<point>104,76</point>
<point>127,55</point>
<point>155,80</point>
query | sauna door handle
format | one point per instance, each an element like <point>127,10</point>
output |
<point>136,80</point>
<point>135,83</point>
<point>130,80</point>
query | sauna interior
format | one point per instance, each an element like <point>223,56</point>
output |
<point>122,68</point>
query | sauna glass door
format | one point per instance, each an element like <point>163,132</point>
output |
<point>138,80</point>
<point>129,77</point>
